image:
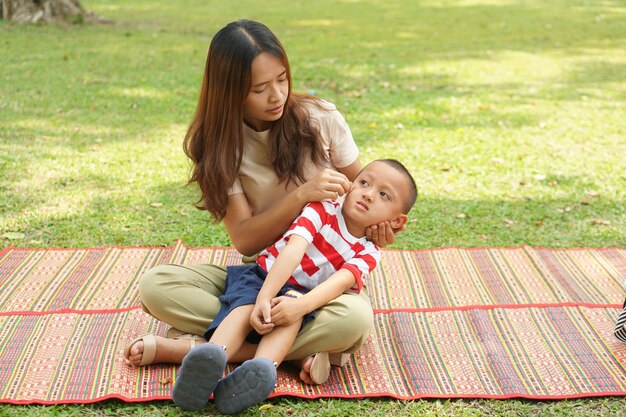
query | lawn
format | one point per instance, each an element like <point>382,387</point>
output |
<point>510,114</point>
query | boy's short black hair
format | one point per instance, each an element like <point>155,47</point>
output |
<point>409,200</point>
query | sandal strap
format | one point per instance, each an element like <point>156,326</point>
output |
<point>339,359</point>
<point>149,349</point>
<point>320,368</point>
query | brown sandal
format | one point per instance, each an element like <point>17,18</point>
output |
<point>149,349</point>
<point>320,367</point>
<point>149,346</point>
<point>174,333</point>
<point>339,359</point>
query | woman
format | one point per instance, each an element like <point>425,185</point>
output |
<point>260,153</point>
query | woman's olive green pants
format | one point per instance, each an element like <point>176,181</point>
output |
<point>187,297</point>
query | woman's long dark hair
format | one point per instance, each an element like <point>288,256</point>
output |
<point>214,140</point>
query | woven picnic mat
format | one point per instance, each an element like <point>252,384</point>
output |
<point>449,323</point>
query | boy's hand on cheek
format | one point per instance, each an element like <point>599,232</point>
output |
<point>382,234</point>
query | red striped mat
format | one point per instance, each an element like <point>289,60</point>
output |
<point>450,323</point>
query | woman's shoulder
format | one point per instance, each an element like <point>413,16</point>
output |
<point>319,105</point>
<point>322,110</point>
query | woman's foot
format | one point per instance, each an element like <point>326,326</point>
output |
<point>305,371</point>
<point>315,369</point>
<point>150,349</point>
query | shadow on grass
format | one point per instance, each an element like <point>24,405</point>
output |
<point>131,83</point>
<point>435,30</point>
<point>541,223</point>
<point>113,83</point>
<point>434,222</point>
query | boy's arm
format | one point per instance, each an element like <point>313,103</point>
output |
<point>338,283</point>
<point>286,262</point>
<point>287,310</point>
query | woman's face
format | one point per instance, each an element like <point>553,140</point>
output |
<point>268,92</point>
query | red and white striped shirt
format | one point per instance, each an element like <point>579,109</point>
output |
<point>331,247</point>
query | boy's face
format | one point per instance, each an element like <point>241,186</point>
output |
<point>377,195</point>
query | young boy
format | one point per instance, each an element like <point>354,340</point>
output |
<point>322,255</point>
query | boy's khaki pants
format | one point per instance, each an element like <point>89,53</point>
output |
<point>186,297</point>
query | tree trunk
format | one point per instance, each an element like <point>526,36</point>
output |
<point>33,11</point>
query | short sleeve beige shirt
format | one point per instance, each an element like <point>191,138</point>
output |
<point>257,179</point>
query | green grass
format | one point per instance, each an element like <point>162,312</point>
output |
<point>510,114</point>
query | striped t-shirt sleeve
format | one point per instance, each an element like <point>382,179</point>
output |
<point>363,263</point>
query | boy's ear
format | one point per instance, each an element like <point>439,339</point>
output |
<point>399,221</point>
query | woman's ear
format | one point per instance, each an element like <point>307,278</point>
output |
<point>399,222</point>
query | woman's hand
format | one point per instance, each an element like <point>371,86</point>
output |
<point>382,234</point>
<point>327,184</point>
<point>261,318</point>
<point>287,310</point>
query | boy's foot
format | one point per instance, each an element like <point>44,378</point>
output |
<point>249,384</point>
<point>199,374</point>
<point>149,349</point>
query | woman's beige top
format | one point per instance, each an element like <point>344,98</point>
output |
<point>257,179</point>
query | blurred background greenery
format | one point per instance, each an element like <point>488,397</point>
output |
<point>509,113</point>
